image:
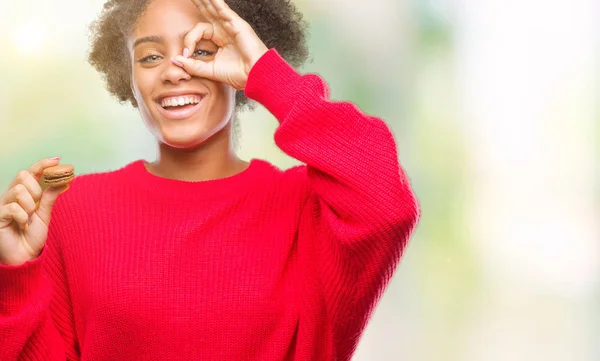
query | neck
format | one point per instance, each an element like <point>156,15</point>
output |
<point>213,159</point>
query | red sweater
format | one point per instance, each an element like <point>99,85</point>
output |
<point>263,265</point>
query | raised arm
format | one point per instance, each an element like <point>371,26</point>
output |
<point>361,210</point>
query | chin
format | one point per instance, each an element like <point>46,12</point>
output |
<point>185,140</point>
<point>183,143</point>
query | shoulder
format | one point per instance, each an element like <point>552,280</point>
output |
<point>98,182</point>
<point>279,195</point>
<point>89,189</point>
<point>292,179</point>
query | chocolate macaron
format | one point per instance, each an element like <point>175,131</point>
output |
<point>59,175</point>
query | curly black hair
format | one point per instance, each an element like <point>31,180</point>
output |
<point>278,23</point>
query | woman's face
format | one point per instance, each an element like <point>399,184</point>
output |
<point>180,110</point>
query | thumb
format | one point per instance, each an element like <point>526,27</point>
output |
<point>195,67</point>
<point>47,201</point>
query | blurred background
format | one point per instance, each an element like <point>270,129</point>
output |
<point>495,108</point>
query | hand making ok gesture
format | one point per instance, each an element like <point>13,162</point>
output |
<point>239,46</point>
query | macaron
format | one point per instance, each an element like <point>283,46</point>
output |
<point>59,175</point>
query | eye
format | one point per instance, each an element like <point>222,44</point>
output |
<point>149,59</point>
<point>202,53</point>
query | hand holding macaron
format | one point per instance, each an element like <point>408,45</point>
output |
<point>25,210</point>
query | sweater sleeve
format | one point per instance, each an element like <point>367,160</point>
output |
<point>361,210</point>
<point>36,318</point>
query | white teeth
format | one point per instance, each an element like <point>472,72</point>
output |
<point>180,101</point>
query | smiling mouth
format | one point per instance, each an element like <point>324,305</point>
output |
<point>180,102</point>
<point>180,107</point>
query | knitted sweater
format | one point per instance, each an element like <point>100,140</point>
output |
<point>263,265</point>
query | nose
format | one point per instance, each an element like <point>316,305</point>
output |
<point>174,74</point>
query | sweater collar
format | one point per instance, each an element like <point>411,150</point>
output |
<point>137,173</point>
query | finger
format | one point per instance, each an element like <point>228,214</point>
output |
<point>202,7</point>
<point>13,212</point>
<point>224,12</point>
<point>229,19</point>
<point>198,32</point>
<point>195,67</point>
<point>26,179</point>
<point>37,168</point>
<point>20,195</point>
<point>210,8</point>
<point>49,197</point>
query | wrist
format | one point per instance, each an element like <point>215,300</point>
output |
<point>255,57</point>
<point>274,84</point>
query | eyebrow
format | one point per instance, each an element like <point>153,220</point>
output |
<point>154,39</point>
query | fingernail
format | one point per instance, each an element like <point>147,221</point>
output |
<point>186,52</point>
<point>176,62</point>
<point>26,227</point>
<point>55,158</point>
<point>64,190</point>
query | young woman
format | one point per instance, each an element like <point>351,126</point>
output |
<point>200,255</point>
